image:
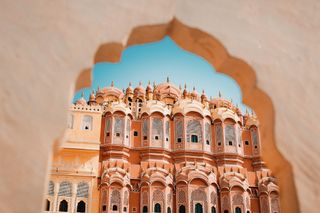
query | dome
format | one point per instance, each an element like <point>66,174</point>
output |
<point>112,91</point>
<point>81,101</point>
<point>203,96</point>
<point>167,90</point>
<point>129,90</point>
<point>92,97</point>
<point>149,88</point>
<point>139,90</point>
<point>194,93</point>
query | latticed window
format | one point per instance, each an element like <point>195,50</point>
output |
<point>83,189</point>
<point>158,195</point>
<point>178,130</point>
<point>65,189</point>
<point>118,127</point>
<point>194,131</point>
<point>167,130</point>
<point>230,135</point>
<point>157,128</point>
<point>87,122</point>
<point>208,133</point>
<point>115,199</point>
<point>145,129</point>
<point>108,125</point>
<point>254,137</point>
<point>218,131</point>
<point>51,188</point>
<point>128,129</point>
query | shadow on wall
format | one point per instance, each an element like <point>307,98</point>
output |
<point>206,46</point>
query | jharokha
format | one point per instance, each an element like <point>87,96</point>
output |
<point>160,149</point>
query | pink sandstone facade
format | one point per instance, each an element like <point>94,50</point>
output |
<point>160,149</point>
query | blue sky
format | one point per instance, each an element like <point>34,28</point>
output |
<point>159,60</point>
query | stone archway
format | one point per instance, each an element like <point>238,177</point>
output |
<point>206,46</point>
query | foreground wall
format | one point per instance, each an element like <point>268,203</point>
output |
<point>46,44</point>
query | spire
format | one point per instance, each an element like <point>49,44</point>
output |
<point>168,80</point>
<point>112,83</point>
<point>185,85</point>
<point>154,84</point>
<point>220,94</point>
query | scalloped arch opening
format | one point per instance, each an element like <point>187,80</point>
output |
<point>209,48</point>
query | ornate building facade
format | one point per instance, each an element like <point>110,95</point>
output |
<point>160,149</point>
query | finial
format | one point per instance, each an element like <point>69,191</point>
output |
<point>130,84</point>
<point>194,88</point>
<point>180,87</point>
<point>112,83</point>
<point>149,82</point>
<point>154,84</point>
<point>82,94</point>
<point>92,91</point>
<point>98,89</point>
<point>231,100</point>
<point>140,83</point>
<point>219,94</point>
<point>202,91</point>
<point>185,85</point>
<point>168,79</point>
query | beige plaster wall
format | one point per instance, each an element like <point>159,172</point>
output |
<point>45,44</point>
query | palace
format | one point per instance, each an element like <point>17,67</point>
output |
<point>160,149</point>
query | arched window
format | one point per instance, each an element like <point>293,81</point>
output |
<point>63,206</point>
<point>226,211</point>
<point>248,211</point>
<point>213,209</point>
<point>145,209</point>
<point>86,122</point>
<point>182,209</point>
<point>168,210</point>
<point>125,209</point>
<point>157,208</point>
<point>198,208</point>
<point>81,207</point>
<point>114,208</point>
<point>238,210</point>
<point>47,205</point>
